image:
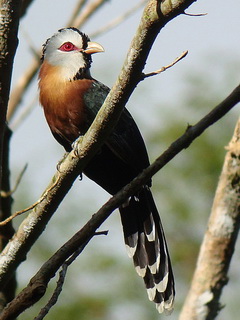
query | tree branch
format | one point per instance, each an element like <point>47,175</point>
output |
<point>219,241</point>
<point>164,68</point>
<point>38,284</point>
<point>9,13</point>
<point>7,231</point>
<point>9,20</point>
<point>62,274</point>
<point>116,21</point>
<point>130,75</point>
<point>86,13</point>
<point>151,23</point>
<point>25,80</point>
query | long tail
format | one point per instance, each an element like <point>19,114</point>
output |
<point>146,244</point>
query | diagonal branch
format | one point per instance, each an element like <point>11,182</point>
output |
<point>116,21</point>
<point>38,284</point>
<point>153,20</point>
<point>86,13</point>
<point>62,275</point>
<point>78,18</point>
<point>25,80</point>
<point>164,68</point>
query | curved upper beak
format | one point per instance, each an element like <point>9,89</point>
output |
<point>93,47</point>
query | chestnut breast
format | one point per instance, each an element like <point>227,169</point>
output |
<point>63,103</point>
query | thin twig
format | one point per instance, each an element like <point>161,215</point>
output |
<point>26,79</point>
<point>62,275</point>
<point>79,6</point>
<point>146,75</point>
<point>115,22</point>
<point>87,12</point>
<point>35,223</point>
<point>18,213</point>
<point>54,298</point>
<point>38,284</point>
<point>29,41</point>
<point>21,86</point>
<point>25,112</point>
<point>9,193</point>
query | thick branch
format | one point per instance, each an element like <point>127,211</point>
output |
<point>38,284</point>
<point>9,13</point>
<point>9,20</point>
<point>151,23</point>
<point>218,245</point>
<point>7,231</point>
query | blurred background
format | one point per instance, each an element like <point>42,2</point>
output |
<point>102,283</point>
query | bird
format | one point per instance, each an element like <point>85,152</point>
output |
<point>71,98</point>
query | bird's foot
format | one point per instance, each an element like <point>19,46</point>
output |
<point>76,146</point>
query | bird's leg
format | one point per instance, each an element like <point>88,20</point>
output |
<point>76,146</point>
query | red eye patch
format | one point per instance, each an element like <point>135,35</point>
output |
<point>68,46</point>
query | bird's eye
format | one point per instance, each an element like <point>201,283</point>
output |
<point>67,46</point>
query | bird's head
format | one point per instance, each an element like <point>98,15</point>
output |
<point>70,51</point>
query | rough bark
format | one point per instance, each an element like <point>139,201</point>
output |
<point>218,245</point>
<point>38,284</point>
<point>151,23</point>
<point>9,14</point>
<point>9,20</point>
<point>6,231</point>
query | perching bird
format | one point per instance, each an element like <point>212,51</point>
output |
<point>71,99</point>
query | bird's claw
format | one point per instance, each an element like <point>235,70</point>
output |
<point>75,146</point>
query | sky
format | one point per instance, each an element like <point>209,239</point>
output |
<point>213,44</point>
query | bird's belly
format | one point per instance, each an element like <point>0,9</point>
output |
<point>109,171</point>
